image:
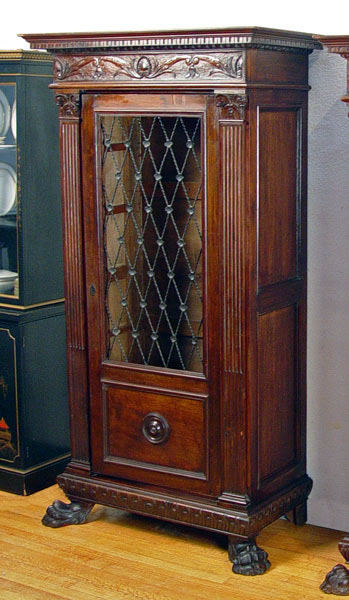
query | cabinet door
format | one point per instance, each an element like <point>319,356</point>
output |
<point>147,263</point>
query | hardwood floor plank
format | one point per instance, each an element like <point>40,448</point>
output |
<point>120,556</point>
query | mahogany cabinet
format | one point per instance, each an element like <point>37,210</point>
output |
<point>183,159</point>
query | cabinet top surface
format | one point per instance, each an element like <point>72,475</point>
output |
<point>335,43</point>
<point>19,55</point>
<point>215,38</point>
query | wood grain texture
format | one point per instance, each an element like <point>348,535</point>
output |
<point>277,392</point>
<point>116,555</point>
<point>183,450</point>
<point>278,177</point>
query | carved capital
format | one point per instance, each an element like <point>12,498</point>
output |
<point>69,105</point>
<point>233,106</point>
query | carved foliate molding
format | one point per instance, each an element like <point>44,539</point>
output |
<point>69,105</point>
<point>233,106</point>
<point>181,67</point>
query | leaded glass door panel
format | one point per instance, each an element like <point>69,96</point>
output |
<point>145,182</point>
<point>152,235</point>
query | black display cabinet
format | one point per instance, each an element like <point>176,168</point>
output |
<point>34,431</point>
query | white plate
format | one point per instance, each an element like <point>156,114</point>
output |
<point>7,275</point>
<point>5,116</point>
<point>7,286</point>
<point>14,120</point>
<point>8,189</point>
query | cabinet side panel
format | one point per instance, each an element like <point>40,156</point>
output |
<point>277,393</point>
<point>9,407</point>
<point>278,193</point>
<point>45,393</point>
<point>41,208</point>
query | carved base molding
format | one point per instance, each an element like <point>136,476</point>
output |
<point>240,527</point>
<point>241,522</point>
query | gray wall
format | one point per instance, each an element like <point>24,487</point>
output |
<point>328,292</point>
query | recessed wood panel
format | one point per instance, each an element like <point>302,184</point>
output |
<point>277,391</point>
<point>184,447</point>
<point>278,154</point>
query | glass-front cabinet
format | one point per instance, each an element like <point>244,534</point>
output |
<point>34,439</point>
<point>30,230</point>
<point>8,191</point>
<point>183,157</point>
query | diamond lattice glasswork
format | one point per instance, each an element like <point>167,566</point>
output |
<point>152,194</point>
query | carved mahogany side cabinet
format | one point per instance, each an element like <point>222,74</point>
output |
<point>337,580</point>
<point>184,201</point>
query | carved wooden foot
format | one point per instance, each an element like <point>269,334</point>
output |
<point>343,548</point>
<point>336,581</point>
<point>300,514</point>
<point>247,557</point>
<point>60,514</point>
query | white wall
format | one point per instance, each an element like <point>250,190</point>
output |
<point>328,348</point>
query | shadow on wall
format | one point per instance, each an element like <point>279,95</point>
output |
<point>328,292</point>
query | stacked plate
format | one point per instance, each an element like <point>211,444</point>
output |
<point>7,281</point>
<point>8,189</point>
<point>5,116</point>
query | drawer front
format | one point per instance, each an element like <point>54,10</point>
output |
<point>149,436</point>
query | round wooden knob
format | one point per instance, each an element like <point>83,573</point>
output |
<point>155,428</point>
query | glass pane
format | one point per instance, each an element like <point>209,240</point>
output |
<point>152,194</point>
<point>8,192</point>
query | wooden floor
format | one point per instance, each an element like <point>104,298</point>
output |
<point>116,555</point>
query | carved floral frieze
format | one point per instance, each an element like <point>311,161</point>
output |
<point>181,67</point>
